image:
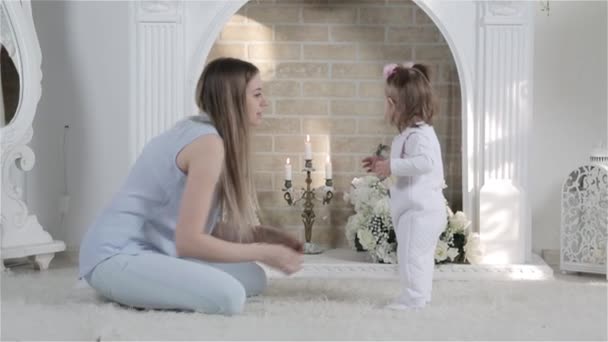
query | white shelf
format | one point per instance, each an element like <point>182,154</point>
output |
<point>346,263</point>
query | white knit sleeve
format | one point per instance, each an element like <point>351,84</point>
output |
<point>415,158</point>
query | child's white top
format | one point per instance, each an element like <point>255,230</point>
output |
<point>417,168</point>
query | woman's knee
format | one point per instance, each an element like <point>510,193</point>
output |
<point>231,293</point>
<point>230,300</point>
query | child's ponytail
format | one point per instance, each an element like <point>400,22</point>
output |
<point>424,69</point>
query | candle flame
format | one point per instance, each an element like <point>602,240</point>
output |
<point>287,162</point>
<point>307,138</point>
<point>328,159</point>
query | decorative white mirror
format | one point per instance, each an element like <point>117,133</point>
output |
<point>20,233</point>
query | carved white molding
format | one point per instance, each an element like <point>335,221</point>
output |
<point>504,12</point>
<point>503,87</point>
<point>158,70</point>
<point>158,6</point>
<point>21,234</point>
<point>504,74</point>
<point>503,8</point>
<point>158,11</point>
<point>7,36</point>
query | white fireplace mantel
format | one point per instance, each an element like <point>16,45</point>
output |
<point>491,42</point>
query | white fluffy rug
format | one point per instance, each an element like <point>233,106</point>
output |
<point>47,306</point>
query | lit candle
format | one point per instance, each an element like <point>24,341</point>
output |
<point>287,170</point>
<point>307,148</point>
<point>327,168</point>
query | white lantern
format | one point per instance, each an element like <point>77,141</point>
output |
<point>584,220</point>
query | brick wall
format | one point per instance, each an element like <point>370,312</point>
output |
<point>322,61</point>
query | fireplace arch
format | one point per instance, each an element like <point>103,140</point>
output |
<point>491,42</point>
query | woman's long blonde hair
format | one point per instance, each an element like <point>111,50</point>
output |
<point>221,93</point>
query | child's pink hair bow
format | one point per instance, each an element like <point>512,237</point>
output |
<point>389,69</point>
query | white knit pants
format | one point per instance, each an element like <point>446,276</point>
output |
<point>417,235</point>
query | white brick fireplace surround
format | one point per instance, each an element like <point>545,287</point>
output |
<point>491,42</point>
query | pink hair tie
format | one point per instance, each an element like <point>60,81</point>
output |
<point>389,70</point>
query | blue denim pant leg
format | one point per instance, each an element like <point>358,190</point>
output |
<point>158,281</point>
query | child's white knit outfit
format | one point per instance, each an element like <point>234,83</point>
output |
<point>418,211</point>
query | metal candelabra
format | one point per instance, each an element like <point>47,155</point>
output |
<point>309,196</point>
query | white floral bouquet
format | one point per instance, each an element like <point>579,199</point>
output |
<point>371,228</point>
<point>457,243</point>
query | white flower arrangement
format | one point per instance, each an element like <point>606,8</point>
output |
<point>371,229</point>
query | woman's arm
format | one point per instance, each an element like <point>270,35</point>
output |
<point>261,234</point>
<point>269,234</point>
<point>202,161</point>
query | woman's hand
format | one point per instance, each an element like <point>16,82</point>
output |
<point>272,235</point>
<point>280,257</point>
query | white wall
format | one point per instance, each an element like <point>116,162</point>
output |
<point>86,86</point>
<point>570,114</point>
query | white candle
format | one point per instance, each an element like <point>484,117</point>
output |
<point>328,168</point>
<point>307,148</point>
<point>287,170</point>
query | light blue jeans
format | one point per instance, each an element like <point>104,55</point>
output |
<point>158,281</point>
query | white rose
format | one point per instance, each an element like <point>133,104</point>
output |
<point>458,223</point>
<point>380,250</point>
<point>452,253</point>
<point>382,207</point>
<point>351,230</point>
<point>389,181</point>
<point>366,239</point>
<point>392,258</point>
<point>362,195</point>
<point>441,252</point>
<point>356,182</point>
<point>367,181</point>
<point>386,253</point>
<point>473,249</point>
<point>353,224</point>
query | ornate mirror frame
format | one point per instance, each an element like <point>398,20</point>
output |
<point>21,234</point>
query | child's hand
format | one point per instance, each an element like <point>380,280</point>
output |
<point>382,168</point>
<point>368,162</point>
